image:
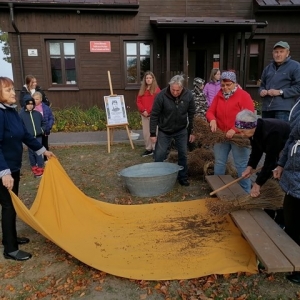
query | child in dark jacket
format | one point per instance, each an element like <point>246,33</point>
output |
<point>36,125</point>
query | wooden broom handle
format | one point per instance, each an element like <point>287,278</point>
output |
<point>232,182</point>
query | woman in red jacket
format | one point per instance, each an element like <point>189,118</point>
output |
<point>149,89</point>
<point>229,101</point>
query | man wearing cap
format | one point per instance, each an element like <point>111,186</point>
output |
<point>280,83</point>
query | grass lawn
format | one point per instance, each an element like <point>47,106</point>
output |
<point>54,274</point>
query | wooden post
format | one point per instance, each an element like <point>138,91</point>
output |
<point>110,135</point>
<point>110,85</point>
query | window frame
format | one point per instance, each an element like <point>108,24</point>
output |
<point>261,42</point>
<point>136,85</point>
<point>64,86</point>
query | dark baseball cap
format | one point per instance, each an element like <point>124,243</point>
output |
<point>282,45</point>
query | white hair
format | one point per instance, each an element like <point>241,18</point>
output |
<point>246,115</point>
<point>177,79</point>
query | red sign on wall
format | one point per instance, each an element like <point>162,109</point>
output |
<point>100,46</point>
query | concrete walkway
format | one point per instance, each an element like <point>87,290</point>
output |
<point>90,137</point>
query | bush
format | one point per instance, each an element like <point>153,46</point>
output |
<point>74,119</point>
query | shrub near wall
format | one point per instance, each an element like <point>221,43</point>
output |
<point>74,119</point>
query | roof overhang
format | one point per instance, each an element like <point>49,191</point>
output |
<point>276,5</point>
<point>208,23</point>
<point>67,5</point>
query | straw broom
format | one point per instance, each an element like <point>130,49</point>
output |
<point>271,197</point>
<point>204,136</point>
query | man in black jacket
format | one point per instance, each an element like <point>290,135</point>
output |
<point>266,136</point>
<point>173,113</point>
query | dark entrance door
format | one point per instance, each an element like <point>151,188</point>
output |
<point>197,66</point>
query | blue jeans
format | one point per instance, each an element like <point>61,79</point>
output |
<point>240,158</point>
<point>34,159</point>
<point>276,114</point>
<point>163,143</point>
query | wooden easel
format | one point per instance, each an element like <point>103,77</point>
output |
<point>110,128</point>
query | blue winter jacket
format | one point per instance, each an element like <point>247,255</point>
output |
<point>48,117</point>
<point>286,78</point>
<point>12,134</point>
<point>33,121</point>
<point>290,158</point>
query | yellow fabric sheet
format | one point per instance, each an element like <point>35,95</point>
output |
<point>159,241</point>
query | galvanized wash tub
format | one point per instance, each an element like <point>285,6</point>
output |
<point>150,179</point>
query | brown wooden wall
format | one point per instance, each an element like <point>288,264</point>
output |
<point>37,26</point>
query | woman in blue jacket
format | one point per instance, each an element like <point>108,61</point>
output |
<point>12,136</point>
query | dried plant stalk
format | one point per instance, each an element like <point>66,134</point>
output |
<point>271,197</point>
<point>204,135</point>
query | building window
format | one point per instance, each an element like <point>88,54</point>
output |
<point>254,63</point>
<point>138,60</point>
<point>62,62</point>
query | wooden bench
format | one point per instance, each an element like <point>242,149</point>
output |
<point>273,247</point>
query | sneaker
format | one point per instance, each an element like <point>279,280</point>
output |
<point>147,153</point>
<point>33,169</point>
<point>38,172</point>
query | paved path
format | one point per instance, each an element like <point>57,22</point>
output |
<point>90,137</point>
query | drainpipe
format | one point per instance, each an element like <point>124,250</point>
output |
<point>19,38</point>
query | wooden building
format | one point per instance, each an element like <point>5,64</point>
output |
<point>69,45</point>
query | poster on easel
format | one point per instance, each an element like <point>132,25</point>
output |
<point>115,110</point>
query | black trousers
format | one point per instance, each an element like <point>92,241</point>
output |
<point>8,220</point>
<point>45,144</point>
<point>291,211</point>
<point>277,215</point>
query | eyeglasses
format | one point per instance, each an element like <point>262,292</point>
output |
<point>227,84</point>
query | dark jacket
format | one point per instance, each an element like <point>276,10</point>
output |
<point>286,77</point>
<point>24,91</point>
<point>172,114</point>
<point>33,121</point>
<point>290,160</point>
<point>12,134</point>
<point>269,137</point>
<point>294,113</point>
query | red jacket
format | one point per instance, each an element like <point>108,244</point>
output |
<point>224,111</point>
<point>145,102</point>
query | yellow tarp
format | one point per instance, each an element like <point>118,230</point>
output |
<point>152,241</point>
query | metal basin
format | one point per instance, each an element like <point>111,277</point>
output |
<point>150,179</point>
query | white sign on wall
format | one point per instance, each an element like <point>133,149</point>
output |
<point>32,52</point>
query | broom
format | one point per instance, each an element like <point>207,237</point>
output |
<point>232,182</point>
<point>204,135</point>
<point>264,201</point>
